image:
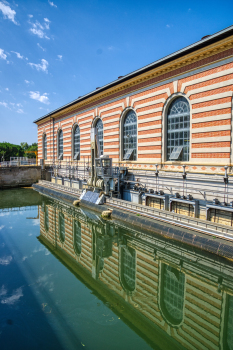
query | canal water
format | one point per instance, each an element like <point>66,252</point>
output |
<point>71,280</point>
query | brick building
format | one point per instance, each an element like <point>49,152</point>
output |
<point>175,111</point>
<point>153,284</point>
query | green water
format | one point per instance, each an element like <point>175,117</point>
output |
<point>71,280</point>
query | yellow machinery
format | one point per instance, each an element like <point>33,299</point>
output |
<point>36,153</point>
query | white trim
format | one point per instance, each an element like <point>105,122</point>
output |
<point>152,94</point>
<point>211,150</point>
<point>111,121</point>
<point>150,103</point>
<point>210,87</point>
<point>155,143</point>
<point>211,97</point>
<point>159,109</point>
<point>204,139</point>
<point>116,139</point>
<point>212,107</point>
<point>156,126</point>
<point>175,86</point>
<point>148,136</point>
<point>211,118</point>
<point>206,78</point>
<point>149,119</point>
<point>149,151</point>
<point>211,129</point>
<point>121,104</point>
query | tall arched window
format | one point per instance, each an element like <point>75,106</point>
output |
<point>178,129</point>
<point>76,143</point>
<point>77,237</point>
<point>99,128</point>
<point>45,147</point>
<point>172,294</point>
<point>228,324</point>
<point>62,227</point>
<point>130,136</point>
<point>60,145</point>
<point>128,268</point>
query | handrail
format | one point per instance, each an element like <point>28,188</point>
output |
<point>172,217</point>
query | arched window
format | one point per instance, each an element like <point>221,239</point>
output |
<point>61,227</point>
<point>45,147</point>
<point>228,327</point>
<point>172,294</point>
<point>77,237</point>
<point>76,143</point>
<point>99,128</point>
<point>178,129</point>
<point>130,136</point>
<point>46,218</point>
<point>128,268</point>
<point>60,145</point>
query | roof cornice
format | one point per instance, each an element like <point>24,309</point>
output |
<point>212,45</point>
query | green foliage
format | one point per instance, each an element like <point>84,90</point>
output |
<point>33,147</point>
<point>8,150</point>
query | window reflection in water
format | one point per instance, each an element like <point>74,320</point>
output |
<point>77,237</point>
<point>128,268</point>
<point>46,218</point>
<point>62,227</point>
<point>172,293</point>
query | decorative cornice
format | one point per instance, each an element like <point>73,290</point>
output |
<point>182,62</point>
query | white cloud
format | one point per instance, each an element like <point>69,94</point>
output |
<point>40,47</point>
<point>3,214</point>
<point>43,66</point>
<point>30,16</point>
<point>8,12</point>
<point>20,111</point>
<point>29,82</point>
<point>59,57</point>
<point>7,89</point>
<point>168,25</point>
<point>18,105</point>
<point>1,227</point>
<point>16,295</point>
<point>5,105</point>
<point>52,4</point>
<point>35,95</point>
<point>18,54</point>
<point>39,29</point>
<point>46,24</point>
<point>6,260</point>
<point>2,54</point>
<point>3,291</point>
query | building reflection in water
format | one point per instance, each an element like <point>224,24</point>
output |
<point>161,285</point>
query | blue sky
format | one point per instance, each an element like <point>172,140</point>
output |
<point>52,52</point>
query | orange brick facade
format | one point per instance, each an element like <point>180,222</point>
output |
<point>207,84</point>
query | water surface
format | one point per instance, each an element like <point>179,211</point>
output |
<point>71,280</point>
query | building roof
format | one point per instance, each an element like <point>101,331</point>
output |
<point>205,41</point>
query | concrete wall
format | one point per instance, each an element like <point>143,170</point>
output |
<point>19,176</point>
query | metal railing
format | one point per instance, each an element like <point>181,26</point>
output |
<point>14,162</point>
<point>173,218</point>
<point>63,188</point>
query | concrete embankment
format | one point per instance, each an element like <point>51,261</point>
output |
<point>191,237</point>
<point>19,176</point>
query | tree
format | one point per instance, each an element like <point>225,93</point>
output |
<point>8,150</point>
<point>31,148</point>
